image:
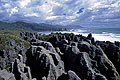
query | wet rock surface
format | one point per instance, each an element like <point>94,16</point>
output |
<point>62,57</point>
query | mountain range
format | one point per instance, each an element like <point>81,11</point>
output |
<point>35,26</point>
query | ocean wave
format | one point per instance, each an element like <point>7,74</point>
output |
<point>104,36</point>
<point>78,30</point>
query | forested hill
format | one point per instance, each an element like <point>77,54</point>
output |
<point>28,27</point>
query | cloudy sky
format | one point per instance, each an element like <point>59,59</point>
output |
<point>63,12</point>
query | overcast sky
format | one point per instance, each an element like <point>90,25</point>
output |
<point>63,12</point>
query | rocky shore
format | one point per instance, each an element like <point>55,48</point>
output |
<point>61,57</point>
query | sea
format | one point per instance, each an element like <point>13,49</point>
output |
<point>100,34</point>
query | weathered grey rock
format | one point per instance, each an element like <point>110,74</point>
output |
<point>117,43</point>
<point>84,59</point>
<point>73,43</point>
<point>58,51</point>
<point>44,63</point>
<point>3,59</point>
<point>84,46</point>
<point>88,58</point>
<point>99,77</point>
<point>20,70</point>
<point>112,50</point>
<point>71,75</point>
<point>105,66</point>
<point>5,75</point>
<point>89,36</point>
<point>12,43</point>
<point>80,63</point>
<point>46,45</point>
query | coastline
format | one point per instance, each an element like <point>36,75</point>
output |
<point>59,39</point>
<point>58,56</point>
<point>99,36</point>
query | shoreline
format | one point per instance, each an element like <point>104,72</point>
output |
<point>60,56</point>
<point>103,36</point>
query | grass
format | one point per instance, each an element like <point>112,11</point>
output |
<point>45,37</point>
<point>1,78</point>
<point>5,40</point>
<point>12,32</point>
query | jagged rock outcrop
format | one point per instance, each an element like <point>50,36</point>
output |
<point>44,63</point>
<point>10,52</point>
<point>71,75</point>
<point>81,63</point>
<point>20,70</point>
<point>112,50</point>
<point>46,45</point>
<point>29,36</point>
<point>63,57</point>
<point>5,75</point>
<point>85,58</point>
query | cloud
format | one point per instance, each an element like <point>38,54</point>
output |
<point>104,13</point>
<point>63,12</point>
<point>23,3</point>
<point>13,10</point>
<point>33,14</point>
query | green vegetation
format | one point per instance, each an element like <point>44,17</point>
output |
<point>11,31</point>
<point>1,78</point>
<point>5,40</point>
<point>21,26</point>
<point>45,37</point>
<point>17,27</point>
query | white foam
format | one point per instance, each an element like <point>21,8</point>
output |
<point>78,30</point>
<point>104,36</point>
